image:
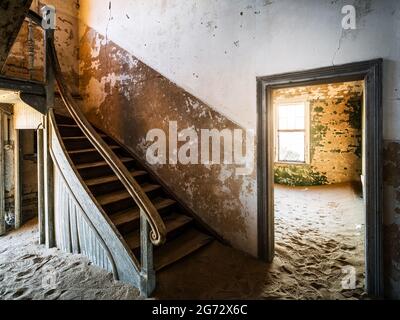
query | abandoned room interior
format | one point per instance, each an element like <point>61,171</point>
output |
<point>252,143</point>
<point>318,192</point>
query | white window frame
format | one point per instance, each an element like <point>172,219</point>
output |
<point>307,123</point>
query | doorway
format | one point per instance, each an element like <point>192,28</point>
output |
<point>369,73</point>
<point>18,161</point>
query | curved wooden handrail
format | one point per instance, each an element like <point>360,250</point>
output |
<point>157,226</point>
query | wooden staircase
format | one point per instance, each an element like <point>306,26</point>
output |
<point>184,234</point>
<point>102,201</point>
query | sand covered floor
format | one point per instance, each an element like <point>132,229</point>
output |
<point>319,237</point>
<point>319,240</point>
<point>30,271</point>
<point>319,234</point>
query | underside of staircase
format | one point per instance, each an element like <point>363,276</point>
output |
<point>184,234</point>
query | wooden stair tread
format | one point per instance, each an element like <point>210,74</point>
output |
<point>124,194</point>
<point>172,222</point>
<point>111,178</point>
<point>81,137</point>
<point>173,251</point>
<point>90,150</point>
<point>99,163</point>
<point>67,125</point>
<point>183,238</point>
<point>133,214</point>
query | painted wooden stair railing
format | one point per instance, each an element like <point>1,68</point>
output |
<point>108,205</point>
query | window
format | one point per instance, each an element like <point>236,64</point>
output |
<point>292,132</point>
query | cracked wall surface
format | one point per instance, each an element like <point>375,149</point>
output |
<point>115,85</point>
<point>144,63</point>
<point>335,121</point>
<point>214,51</point>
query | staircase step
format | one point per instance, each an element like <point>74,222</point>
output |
<point>76,152</point>
<point>173,251</point>
<point>123,194</point>
<point>67,125</point>
<point>133,214</point>
<point>172,222</point>
<point>99,163</point>
<point>63,119</point>
<point>111,178</point>
<point>77,138</point>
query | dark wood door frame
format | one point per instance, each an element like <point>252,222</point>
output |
<point>371,73</point>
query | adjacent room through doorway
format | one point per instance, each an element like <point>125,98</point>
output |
<point>318,186</point>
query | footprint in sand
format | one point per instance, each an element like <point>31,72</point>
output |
<point>318,285</point>
<point>21,294</point>
<point>347,247</point>
<point>52,294</point>
<point>24,274</point>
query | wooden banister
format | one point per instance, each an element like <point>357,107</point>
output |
<point>157,226</point>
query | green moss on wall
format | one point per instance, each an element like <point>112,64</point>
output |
<point>299,175</point>
<point>354,111</point>
<point>317,130</point>
<point>335,137</point>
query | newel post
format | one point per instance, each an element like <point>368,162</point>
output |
<point>48,163</point>
<point>147,273</point>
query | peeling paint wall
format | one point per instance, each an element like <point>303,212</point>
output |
<point>214,50</point>
<point>391,177</point>
<point>18,65</point>
<point>115,85</point>
<point>144,63</point>
<point>67,45</point>
<point>11,17</point>
<point>335,117</point>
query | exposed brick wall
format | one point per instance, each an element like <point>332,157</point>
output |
<point>335,134</point>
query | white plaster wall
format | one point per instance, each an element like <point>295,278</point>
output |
<point>212,51</point>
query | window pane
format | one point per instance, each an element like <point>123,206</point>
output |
<point>291,146</point>
<point>291,116</point>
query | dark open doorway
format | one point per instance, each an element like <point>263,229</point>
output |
<point>371,73</point>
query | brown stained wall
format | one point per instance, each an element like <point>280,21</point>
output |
<point>67,44</point>
<point>335,134</point>
<point>391,176</point>
<point>117,86</point>
<point>17,65</point>
<point>126,98</point>
<point>11,17</point>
